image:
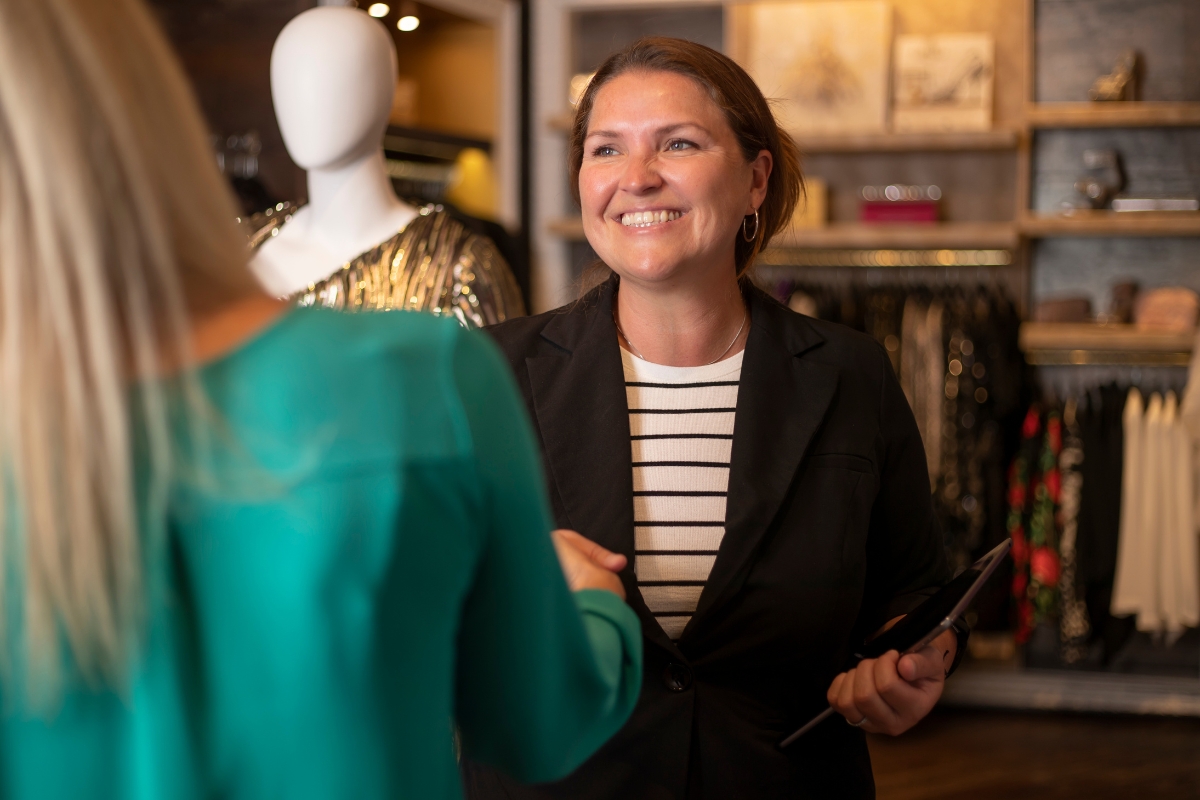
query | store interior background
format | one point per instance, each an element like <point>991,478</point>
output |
<point>480,121</point>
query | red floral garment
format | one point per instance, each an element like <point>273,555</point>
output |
<point>1034,485</point>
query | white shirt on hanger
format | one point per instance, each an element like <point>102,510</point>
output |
<point>1180,590</point>
<point>1134,575</point>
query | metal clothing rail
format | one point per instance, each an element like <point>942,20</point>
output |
<point>803,257</point>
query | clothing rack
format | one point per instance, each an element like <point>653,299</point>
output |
<point>1064,362</point>
<point>771,273</point>
<point>1010,686</point>
<point>1065,381</point>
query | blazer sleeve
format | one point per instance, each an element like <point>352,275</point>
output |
<point>906,556</point>
<point>545,676</point>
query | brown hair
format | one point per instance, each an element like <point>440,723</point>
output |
<point>745,108</point>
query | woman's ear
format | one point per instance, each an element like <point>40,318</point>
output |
<point>760,173</point>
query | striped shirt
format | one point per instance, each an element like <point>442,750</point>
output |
<point>681,427</point>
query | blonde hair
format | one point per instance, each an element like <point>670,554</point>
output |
<point>115,231</point>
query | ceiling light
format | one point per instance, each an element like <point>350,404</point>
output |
<point>408,23</point>
<point>379,9</point>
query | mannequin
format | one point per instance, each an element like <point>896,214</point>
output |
<point>356,245</point>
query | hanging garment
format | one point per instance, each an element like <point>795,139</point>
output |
<point>1125,598</point>
<point>933,379</point>
<point>1180,584</point>
<point>1189,413</point>
<point>970,488</point>
<point>1073,616</point>
<point>1034,493</point>
<point>922,374</point>
<point>433,264</point>
<point>1100,513</point>
<point>1135,590</point>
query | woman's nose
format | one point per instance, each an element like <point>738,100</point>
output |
<point>641,174</point>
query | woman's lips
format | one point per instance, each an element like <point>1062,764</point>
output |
<point>644,219</point>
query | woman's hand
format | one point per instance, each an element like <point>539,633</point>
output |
<point>892,693</point>
<point>587,565</point>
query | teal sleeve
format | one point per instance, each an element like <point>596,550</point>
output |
<point>544,677</point>
<point>615,633</point>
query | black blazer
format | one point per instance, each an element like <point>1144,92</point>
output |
<point>829,533</point>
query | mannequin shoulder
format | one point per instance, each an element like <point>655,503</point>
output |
<point>267,224</point>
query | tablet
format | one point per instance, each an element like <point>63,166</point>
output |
<point>924,623</point>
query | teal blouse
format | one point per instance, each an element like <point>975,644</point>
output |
<point>358,583</point>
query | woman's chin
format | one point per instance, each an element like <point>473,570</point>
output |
<point>652,272</point>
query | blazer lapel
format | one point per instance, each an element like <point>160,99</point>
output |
<point>582,411</point>
<point>579,399</point>
<point>781,403</point>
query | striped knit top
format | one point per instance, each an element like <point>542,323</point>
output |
<point>681,427</point>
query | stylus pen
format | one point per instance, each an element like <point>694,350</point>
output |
<point>812,723</point>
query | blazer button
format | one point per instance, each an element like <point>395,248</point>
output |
<point>677,677</point>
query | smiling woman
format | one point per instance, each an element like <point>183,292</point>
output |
<point>665,188</point>
<point>685,99</point>
<point>761,470</point>
<point>683,177</point>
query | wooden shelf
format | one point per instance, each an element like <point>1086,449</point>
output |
<point>1002,139</point>
<point>1112,223</point>
<point>430,143</point>
<point>1060,343</point>
<point>791,258</point>
<point>859,236</point>
<point>1128,114</point>
<point>981,686</point>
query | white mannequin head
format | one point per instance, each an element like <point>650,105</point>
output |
<point>333,76</point>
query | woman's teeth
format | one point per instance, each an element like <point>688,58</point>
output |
<point>644,219</point>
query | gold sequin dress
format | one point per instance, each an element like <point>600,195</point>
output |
<point>433,264</point>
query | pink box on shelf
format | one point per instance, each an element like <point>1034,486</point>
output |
<point>889,211</point>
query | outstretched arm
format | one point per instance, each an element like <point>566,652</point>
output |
<point>546,675</point>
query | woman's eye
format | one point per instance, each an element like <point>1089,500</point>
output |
<point>680,144</point>
<point>604,150</point>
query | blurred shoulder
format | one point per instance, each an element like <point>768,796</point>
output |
<point>552,332</point>
<point>374,387</point>
<point>369,334</point>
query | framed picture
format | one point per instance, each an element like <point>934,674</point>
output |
<point>824,63</point>
<point>943,83</point>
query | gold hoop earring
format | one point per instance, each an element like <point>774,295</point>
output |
<point>750,237</point>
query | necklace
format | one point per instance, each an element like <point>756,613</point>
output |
<point>636,352</point>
